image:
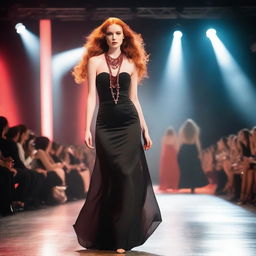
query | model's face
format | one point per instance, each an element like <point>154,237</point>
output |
<point>114,36</point>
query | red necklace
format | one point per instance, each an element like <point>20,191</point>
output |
<point>114,80</point>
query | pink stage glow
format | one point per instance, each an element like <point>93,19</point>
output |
<point>8,103</point>
<point>45,79</point>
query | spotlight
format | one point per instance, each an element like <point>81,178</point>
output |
<point>211,32</point>
<point>20,28</point>
<point>177,34</point>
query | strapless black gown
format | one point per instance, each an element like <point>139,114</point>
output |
<point>191,172</point>
<point>121,210</point>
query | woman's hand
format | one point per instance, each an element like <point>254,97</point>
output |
<point>88,139</point>
<point>147,140</point>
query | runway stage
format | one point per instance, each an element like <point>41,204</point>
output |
<point>197,225</point>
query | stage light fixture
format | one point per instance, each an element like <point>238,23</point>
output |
<point>177,34</point>
<point>20,28</point>
<point>211,32</point>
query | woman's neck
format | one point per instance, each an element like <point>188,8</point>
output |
<point>114,52</point>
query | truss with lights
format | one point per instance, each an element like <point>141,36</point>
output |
<point>74,14</point>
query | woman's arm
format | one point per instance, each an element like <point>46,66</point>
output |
<point>26,161</point>
<point>42,156</point>
<point>91,100</point>
<point>135,100</point>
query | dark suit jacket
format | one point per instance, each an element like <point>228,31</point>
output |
<point>9,148</point>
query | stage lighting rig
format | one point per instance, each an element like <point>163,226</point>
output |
<point>177,34</point>
<point>211,32</point>
<point>20,28</point>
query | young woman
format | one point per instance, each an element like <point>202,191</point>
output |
<point>43,146</point>
<point>169,168</point>
<point>55,183</point>
<point>191,173</point>
<point>121,210</point>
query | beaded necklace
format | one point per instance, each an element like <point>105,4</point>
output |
<point>114,63</point>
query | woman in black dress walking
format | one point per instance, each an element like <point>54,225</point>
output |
<point>191,173</point>
<point>121,210</point>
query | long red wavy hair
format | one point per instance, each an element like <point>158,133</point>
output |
<point>96,44</point>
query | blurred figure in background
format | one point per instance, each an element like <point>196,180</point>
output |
<point>253,160</point>
<point>244,137</point>
<point>209,163</point>
<point>236,169</point>
<point>78,175</point>
<point>224,177</point>
<point>55,184</point>
<point>191,173</point>
<point>169,168</point>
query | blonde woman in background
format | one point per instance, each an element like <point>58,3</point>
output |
<point>169,168</point>
<point>191,173</point>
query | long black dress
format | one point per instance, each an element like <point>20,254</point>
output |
<point>191,173</point>
<point>121,210</point>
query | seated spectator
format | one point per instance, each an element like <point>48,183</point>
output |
<point>43,146</point>
<point>77,173</point>
<point>208,164</point>
<point>14,135</point>
<point>220,156</point>
<point>253,148</point>
<point>235,160</point>
<point>247,172</point>
<point>22,177</point>
<point>7,172</point>
<point>56,181</point>
<point>24,135</point>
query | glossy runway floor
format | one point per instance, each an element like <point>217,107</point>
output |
<point>198,225</point>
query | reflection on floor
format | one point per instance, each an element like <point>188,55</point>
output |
<point>197,224</point>
<point>209,189</point>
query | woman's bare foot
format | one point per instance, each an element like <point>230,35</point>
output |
<point>120,251</point>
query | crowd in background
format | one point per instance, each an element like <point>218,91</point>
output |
<point>231,164</point>
<point>36,172</point>
<point>180,159</point>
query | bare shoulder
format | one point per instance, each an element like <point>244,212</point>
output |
<point>133,68</point>
<point>95,61</point>
<point>130,65</point>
